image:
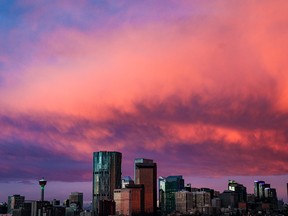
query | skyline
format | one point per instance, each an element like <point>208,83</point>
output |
<point>55,186</point>
<point>199,87</point>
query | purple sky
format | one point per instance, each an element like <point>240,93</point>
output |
<point>198,86</point>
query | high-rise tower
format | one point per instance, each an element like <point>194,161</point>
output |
<point>42,183</point>
<point>146,174</point>
<point>167,188</point>
<point>106,176</point>
<point>239,189</point>
<point>257,191</point>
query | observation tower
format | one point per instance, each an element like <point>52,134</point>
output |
<point>42,183</point>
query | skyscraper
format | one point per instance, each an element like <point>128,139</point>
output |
<point>106,176</point>
<point>239,189</point>
<point>146,174</point>
<point>257,192</point>
<point>167,188</point>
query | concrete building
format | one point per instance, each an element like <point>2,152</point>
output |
<point>122,198</point>
<point>146,174</point>
<point>106,178</point>
<point>203,199</point>
<point>184,202</point>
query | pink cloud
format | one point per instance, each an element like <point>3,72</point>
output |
<point>154,60</point>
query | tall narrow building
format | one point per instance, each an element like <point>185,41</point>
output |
<point>167,188</point>
<point>146,174</point>
<point>257,188</point>
<point>106,177</point>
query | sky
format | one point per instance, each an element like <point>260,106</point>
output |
<point>200,87</point>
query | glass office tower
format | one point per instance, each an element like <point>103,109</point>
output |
<point>257,188</point>
<point>106,176</point>
<point>167,188</point>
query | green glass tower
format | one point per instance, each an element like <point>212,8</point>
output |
<point>167,188</point>
<point>106,176</point>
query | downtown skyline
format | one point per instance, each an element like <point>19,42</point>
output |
<point>200,87</point>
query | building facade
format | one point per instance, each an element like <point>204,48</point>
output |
<point>77,198</point>
<point>167,188</point>
<point>15,202</point>
<point>184,202</point>
<point>122,198</point>
<point>257,189</point>
<point>106,177</point>
<point>129,201</point>
<point>239,189</point>
<point>229,199</point>
<point>146,174</point>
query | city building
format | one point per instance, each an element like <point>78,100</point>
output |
<point>77,198</point>
<point>137,198</point>
<point>257,188</point>
<point>184,202</point>
<point>145,173</point>
<point>216,202</point>
<point>15,202</point>
<point>203,199</point>
<point>209,190</point>
<point>167,188</point>
<point>55,202</point>
<point>106,178</point>
<point>106,207</point>
<point>39,208</point>
<point>239,189</point>
<point>265,194</point>
<point>129,201</point>
<point>188,187</point>
<point>3,208</point>
<point>262,187</point>
<point>229,199</point>
<point>58,211</point>
<point>126,180</point>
